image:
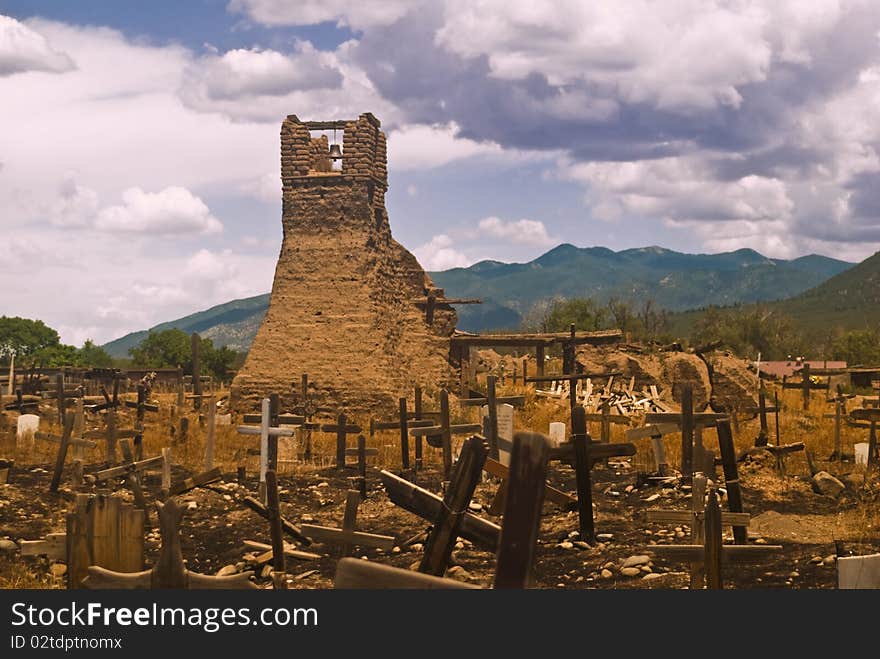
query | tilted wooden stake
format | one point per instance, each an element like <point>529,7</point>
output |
<point>455,504</point>
<point>428,505</point>
<point>522,513</point>
<point>272,507</point>
<point>731,477</point>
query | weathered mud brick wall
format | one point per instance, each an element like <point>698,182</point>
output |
<point>342,305</point>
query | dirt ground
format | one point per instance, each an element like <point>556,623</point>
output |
<point>812,528</point>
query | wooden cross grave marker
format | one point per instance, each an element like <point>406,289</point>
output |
<point>342,430</point>
<point>839,413</point>
<point>269,434</point>
<point>694,519</point>
<point>130,470</point>
<point>761,442</point>
<point>64,441</point>
<point>169,570</point>
<point>806,385</point>
<point>605,419</point>
<point>691,423</point>
<point>584,454</point>
<point>64,397</point>
<point>347,536</point>
<point>22,405</point>
<point>491,401</point>
<point>872,415</point>
<point>110,434</point>
<point>428,505</point>
<point>405,421</point>
<point>516,547</point>
<point>307,408</point>
<point>440,435</point>
<point>141,406</point>
<point>464,481</point>
<point>361,453</point>
<point>712,553</point>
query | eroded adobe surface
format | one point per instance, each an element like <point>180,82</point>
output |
<point>342,307</point>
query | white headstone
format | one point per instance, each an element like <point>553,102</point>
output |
<point>505,428</point>
<point>28,424</point>
<point>858,572</point>
<point>557,433</point>
<point>861,449</point>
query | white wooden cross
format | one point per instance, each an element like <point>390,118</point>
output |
<point>264,430</point>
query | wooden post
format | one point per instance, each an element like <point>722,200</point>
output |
<point>273,508</point>
<point>139,422</point>
<point>166,472</point>
<point>306,431</point>
<point>183,434</point>
<point>404,434</point>
<point>111,436</point>
<point>446,436</point>
<point>698,528</point>
<point>340,441</point>
<point>272,453</point>
<point>418,411</point>
<point>522,510</point>
<point>776,414</point>
<point>62,451</point>
<point>712,560</point>
<point>131,478</point>
<point>579,439</point>
<point>59,391</point>
<point>209,438</point>
<point>806,385</point>
<point>687,430</point>
<point>180,388</point>
<point>464,481</point>
<point>539,358</point>
<point>10,386</point>
<point>762,411</point>
<point>493,416</point>
<point>195,342</point>
<point>362,466</point>
<point>731,477</point>
<point>464,375</point>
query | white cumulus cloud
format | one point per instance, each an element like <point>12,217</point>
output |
<point>174,210</point>
<point>524,231</point>
<point>439,254</point>
<point>357,15</point>
<point>23,49</point>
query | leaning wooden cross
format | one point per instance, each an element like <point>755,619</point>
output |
<point>838,415</point>
<point>806,385</point>
<point>130,470</point>
<point>515,554</point>
<point>342,430</point>
<point>64,397</point>
<point>712,553</point>
<point>347,536</point>
<point>440,435</point>
<point>169,570</point>
<point>64,441</point>
<point>655,431</point>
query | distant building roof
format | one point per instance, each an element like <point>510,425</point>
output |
<point>790,367</point>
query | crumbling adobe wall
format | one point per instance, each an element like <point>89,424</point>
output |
<point>341,307</point>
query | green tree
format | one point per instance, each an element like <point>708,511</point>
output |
<point>94,355</point>
<point>24,337</point>
<point>173,347</point>
<point>857,347</point>
<point>583,312</point>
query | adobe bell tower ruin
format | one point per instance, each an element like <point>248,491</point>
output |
<point>344,305</point>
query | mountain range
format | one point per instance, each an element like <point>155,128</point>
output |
<point>672,280</point>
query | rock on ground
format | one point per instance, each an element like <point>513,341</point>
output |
<point>825,483</point>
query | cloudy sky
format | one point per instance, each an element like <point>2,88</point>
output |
<point>139,173</point>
